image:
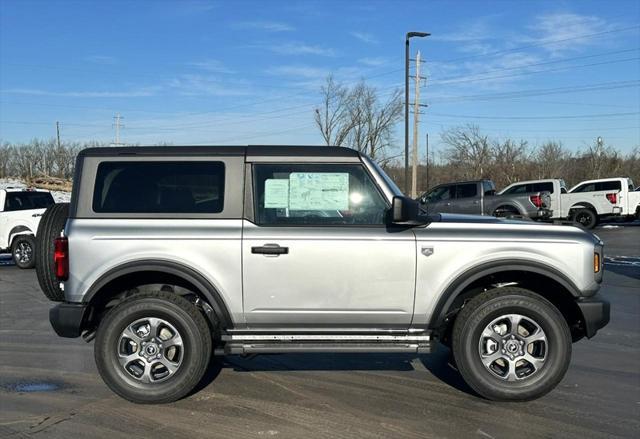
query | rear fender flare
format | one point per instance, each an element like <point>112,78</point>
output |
<point>204,286</point>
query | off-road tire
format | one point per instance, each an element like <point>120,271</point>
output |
<point>481,311</point>
<point>507,212</point>
<point>589,216</point>
<point>179,312</point>
<point>51,224</point>
<point>24,246</point>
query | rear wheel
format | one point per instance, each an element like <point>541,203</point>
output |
<point>23,251</point>
<point>153,347</point>
<point>511,344</point>
<point>50,227</point>
<point>506,212</point>
<point>585,218</point>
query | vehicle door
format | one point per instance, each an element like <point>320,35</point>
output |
<point>439,199</point>
<point>467,199</point>
<point>317,251</point>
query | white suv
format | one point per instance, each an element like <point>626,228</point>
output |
<point>20,213</point>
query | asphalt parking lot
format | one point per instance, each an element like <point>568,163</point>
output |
<point>49,387</point>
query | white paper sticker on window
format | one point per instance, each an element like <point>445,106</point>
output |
<point>318,191</point>
<point>276,193</point>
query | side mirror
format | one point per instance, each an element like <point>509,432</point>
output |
<point>405,210</point>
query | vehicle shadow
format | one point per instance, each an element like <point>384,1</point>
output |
<point>438,363</point>
<point>628,270</point>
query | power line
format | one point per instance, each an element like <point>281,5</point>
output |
<point>577,116</point>
<point>532,72</point>
<point>541,92</point>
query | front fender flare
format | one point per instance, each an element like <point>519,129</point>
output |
<point>473,274</point>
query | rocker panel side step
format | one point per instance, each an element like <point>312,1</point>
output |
<point>283,343</point>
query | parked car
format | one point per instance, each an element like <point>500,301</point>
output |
<point>586,203</point>
<point>20,213</point>
<point>250,250</point>
<point>479,198</point>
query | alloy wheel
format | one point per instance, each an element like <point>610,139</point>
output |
<point>513,347</point>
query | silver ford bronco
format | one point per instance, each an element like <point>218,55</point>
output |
<point>169,256</point>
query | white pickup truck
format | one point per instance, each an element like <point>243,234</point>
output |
<point>20,213</point>
<point>588,202</point>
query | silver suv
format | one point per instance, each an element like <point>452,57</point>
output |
<point>171,255</point>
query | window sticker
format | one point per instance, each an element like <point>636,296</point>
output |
<point>276,193</point>
<point>318,191</point>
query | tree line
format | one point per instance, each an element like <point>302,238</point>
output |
<point>41,158</point>
<point>468,154</point>
<point>357,117</point>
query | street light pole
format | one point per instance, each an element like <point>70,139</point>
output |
<point>406,103</point>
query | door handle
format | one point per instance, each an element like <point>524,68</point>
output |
<point>476,202</point>
<point>270,249</point>
<point>448,204</point>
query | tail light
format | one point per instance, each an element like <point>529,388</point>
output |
<point>613,198</point>
<point>61,258</point>
<point>536,200</point>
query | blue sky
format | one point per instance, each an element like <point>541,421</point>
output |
<point>241,72</point>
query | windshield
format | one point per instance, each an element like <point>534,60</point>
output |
<point>394,188</point>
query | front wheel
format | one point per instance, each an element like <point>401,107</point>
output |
<point>511,344</point>
<point>23,251</point>
<point>153,348</point>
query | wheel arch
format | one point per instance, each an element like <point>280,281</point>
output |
<point>510,206</point>
<point>17,231</point>
<point>537,277</point>
<point>137,273</point>
<point>584,205</point>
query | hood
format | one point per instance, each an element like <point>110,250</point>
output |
<point>461,218</point>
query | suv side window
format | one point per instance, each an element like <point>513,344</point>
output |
<point>316,194</point>
<point>159,187</point>
<point>466,190</point>
<point>26,200</point>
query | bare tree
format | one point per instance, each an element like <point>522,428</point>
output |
<point>510,160</point>
<point>468,149</point>
<point>550,160</point>
<point>332,117</point>
<point>357,118</point>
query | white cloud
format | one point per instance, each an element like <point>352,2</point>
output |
<point>373,61</point>
<point>211,65</point>
<point>365,37</point>
<point>140,92</point>
<point>267,26</point>
<point>101,59</point>
<point>193,85</point>
<point>300,71</point>
<point>561,32</point>
<point>295,48</point>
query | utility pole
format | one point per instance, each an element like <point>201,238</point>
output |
<point>117,125</point>
<point>427,170</point>
<point>416,121</point>
<point>58,133</point>
<point>406,103</point>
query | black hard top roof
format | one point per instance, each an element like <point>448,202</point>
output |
<point>250,150</point>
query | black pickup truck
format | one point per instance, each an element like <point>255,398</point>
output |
<point>479,198</point>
